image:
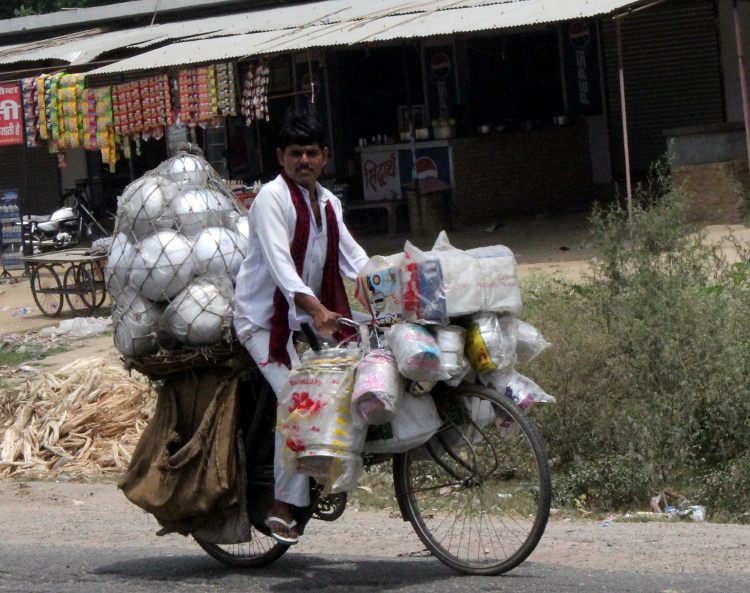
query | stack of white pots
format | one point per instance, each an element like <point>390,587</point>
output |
<point>179,242</point>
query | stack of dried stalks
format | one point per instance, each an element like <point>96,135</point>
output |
<point>85,420</point>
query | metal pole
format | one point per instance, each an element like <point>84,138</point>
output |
<point>623,105</point>
<point>743,77</point>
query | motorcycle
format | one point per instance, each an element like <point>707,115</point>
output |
<point>65,227</point>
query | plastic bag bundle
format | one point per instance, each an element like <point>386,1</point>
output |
<point>315,418</point>
<point>379,289</point>
<point>521,390</point>
<point>530,343</point>
<point>179,241</point>
<point>416,352</point>
<point>377,388</point>
<point>451,342</point>
<point>476,280</point>
<point>491,341</point>
<point>422,286</point>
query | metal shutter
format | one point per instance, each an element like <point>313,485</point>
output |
<point>44,177</point>
<point>672,77</point>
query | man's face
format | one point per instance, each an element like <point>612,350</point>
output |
<point>303,164</point>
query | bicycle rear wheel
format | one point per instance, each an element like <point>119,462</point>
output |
<point>260,551</point>
<point>478,494</point>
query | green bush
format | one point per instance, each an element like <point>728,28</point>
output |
<point>650,362</point>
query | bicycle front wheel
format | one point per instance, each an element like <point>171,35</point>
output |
<point>260,551</point>
<point>478,494</point>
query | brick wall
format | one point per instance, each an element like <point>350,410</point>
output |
<point>542,171</point>
<point>714,190</point>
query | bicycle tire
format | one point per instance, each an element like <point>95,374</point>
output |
<point>261,551</point>
<point>477,496</point>
<point>47,290</point>
<point>75,280</point>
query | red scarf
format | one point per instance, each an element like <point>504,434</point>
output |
<point>333,294</point>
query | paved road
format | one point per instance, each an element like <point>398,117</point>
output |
<point>74,569</point>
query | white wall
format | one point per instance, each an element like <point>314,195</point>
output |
<point>732,89</point>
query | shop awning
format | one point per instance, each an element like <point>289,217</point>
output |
<point>348,23</point>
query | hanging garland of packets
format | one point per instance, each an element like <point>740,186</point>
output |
<point>255,94</point>
<point>60,109</point>
<point>206,93</point>
<point>141,109</point>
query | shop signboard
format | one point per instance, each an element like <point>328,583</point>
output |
<point>380,172</point>
<point>582,67</point>
<point>11,115</point>
<point>442,90</point>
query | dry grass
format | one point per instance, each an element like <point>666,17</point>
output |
<point>85,420</point>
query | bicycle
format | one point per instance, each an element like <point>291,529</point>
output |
<point>477,494</point>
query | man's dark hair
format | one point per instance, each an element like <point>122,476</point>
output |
<point>302,129</point>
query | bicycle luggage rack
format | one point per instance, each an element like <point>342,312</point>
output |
<point>82,286</point>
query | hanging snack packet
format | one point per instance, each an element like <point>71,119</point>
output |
<point>491,341</point>
<point>422,285</point>
<point>377,388</point>
<point>416,352</point>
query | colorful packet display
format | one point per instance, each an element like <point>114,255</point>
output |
<point>225,88</point>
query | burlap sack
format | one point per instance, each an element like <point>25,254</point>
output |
<point>184,468</point>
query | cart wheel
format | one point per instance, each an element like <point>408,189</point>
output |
<point>96,290</point>
<point>76,286</point>
<point>47,290</point>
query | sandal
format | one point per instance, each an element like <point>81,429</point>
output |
<point>288,536</point>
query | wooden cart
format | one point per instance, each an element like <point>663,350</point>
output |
<point>82,284</point>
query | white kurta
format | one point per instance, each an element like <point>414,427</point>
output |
<point>269,263</point>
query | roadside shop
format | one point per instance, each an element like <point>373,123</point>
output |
<point>502,111</point>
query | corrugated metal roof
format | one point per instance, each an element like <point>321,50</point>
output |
<point>385,20</point>
<point>321,24</point>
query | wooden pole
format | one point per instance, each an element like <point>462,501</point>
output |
<point>623,105</point>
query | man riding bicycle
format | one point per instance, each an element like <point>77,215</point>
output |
<point>299,247</point>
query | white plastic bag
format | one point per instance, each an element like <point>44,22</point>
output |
<point>416,421</point>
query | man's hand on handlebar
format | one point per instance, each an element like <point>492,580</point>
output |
<point>326,322</point>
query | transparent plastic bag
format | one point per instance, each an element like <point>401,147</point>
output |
<point>451,342</point>
<point>491,341</point>
<point>379,289</point>
<point>314,415</point>
<point>377,388</point>
<point>530,343</point>
<point>422,286</point>
<point>416,352</point>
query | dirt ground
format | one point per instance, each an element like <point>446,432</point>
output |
<point>98,514</point>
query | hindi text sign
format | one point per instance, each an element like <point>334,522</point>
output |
<point>11,115</point>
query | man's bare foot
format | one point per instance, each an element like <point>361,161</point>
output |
<point>281,523</point>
